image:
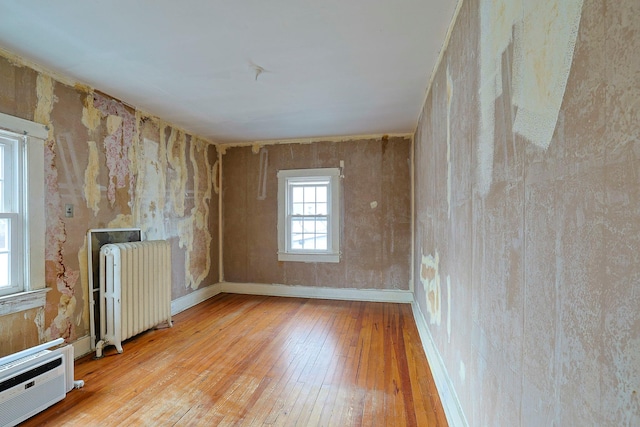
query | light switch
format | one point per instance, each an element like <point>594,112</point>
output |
<point>68,210</point>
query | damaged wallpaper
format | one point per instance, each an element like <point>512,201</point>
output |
<point>117,167</point>
<point>527,259</point>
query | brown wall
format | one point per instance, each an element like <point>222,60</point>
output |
<point>97,159</point>
<point>376,238</point>
<point>529,278</point>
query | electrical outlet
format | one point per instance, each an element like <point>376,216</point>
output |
<point>68,210</point>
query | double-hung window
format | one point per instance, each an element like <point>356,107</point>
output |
<point>22,221</point>
<point>309,215</point>
<point>11,209</point>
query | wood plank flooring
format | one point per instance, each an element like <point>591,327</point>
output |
<point>261,361</point>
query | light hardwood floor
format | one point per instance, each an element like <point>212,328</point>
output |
<point>261,361</point>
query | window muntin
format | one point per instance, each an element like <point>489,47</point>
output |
<point>308,215</point>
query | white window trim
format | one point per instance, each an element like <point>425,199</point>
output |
<point>22,301</point>
<point>332,255</point>
<point>34,291</point>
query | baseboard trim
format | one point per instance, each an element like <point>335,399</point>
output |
<point>196,297</point>
<point>81,347</point>
<point>448,397</point>
<point>372,295</point>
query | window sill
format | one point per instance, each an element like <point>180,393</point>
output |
<point>23,301</point>
<point>334,258</point>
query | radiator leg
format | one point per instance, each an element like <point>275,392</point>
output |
<point>99,349</point>
<point>119,347</point>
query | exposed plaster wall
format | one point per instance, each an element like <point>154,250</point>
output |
<point>21,330</point>
<point>376,239</point>
<point>529,44</point>
<point>527,207</point>
<point>118,167</point>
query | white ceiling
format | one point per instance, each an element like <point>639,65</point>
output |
<point>331,67</point>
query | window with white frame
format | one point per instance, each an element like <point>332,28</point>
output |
<point>309,215</point>
<point>11,209</point>
<point>22,221</point>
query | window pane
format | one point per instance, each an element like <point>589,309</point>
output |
<point>296,240</point>
<point>297,194</point>
<point>321,226</point>
<point>309,226</point>
<point>309,209</point>
<point>321,194</point>
<point>309,194</point>
<point>2,180</point>
<point>296,225</point>
<point>321,242</point>
<point>298,209</point>
<point>4,270</point>
<point>307,242</point>
<point>4,234</point>
<point>5,251</point>
<point>321,209</point>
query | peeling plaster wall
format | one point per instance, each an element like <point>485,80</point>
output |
<point>527,158</point>
<point>119,168</point>
<point>21,330</point>
<point>376,239</point>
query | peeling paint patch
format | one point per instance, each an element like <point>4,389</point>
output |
<point>121,221</point>
<point>62,326</point>
<point>194,232</point>
<point>55,234</point>
<point>57,275</point>
<point>430,278</point>
<point>151,191</point>
<point>262,174</point>
<point>496,26</point>
<point>39,322</point>
<point>373,204</point>
<point>91,187</point>
<point>91,116</point>
<point>113,124</point>
<point>216,177</point>
<point>178,174</point>
<point>544,35</point>
<point>118,145</point>
<point>45,101</point>
<point>543,53</point>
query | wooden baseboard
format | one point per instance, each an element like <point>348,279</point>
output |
<point>196,297</point>
<point>373,295</point>
<point>450,402</point>
<point>81,347</point>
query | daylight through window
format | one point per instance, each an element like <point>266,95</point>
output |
<point>22,213</point>
<point>11,210</point>
<point>308,215</point>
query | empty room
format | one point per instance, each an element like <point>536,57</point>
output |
<point>411,213</point>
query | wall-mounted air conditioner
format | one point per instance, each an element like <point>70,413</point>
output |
<point>32,382</point>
